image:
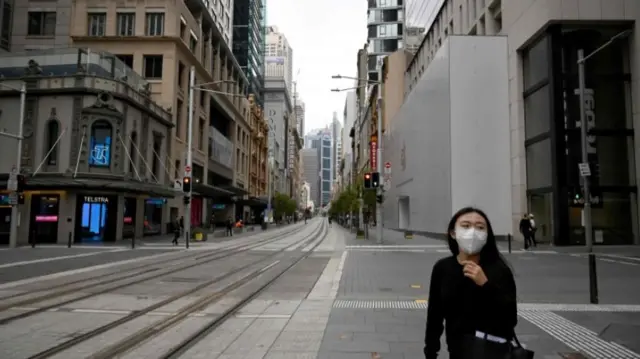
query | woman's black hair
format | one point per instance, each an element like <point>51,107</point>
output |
<point>489,253</point>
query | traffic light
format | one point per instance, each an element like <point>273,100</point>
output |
<point>186,184</point>
<point>20,198</point>
<point>375,179</point>
<point>186,200</point>
<point>22,183</point>
<point>367,180</point>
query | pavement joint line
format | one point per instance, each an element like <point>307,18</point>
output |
<point>64,246</point>
<point>522,307</point>
<point>576,336</point>
<point>79,271</point>
<point>51,259</point>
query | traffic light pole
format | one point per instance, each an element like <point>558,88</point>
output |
<point>15,212</point>
<point>379,189</point>
<point>187,206</point>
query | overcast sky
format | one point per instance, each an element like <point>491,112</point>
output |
<point>325,36</point>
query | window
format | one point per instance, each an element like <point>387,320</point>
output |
<point>41,23</point>
<point>176,169</point>
<point>538,157</point>
<point>537,112</point>
<point>535,63</point>
<point>155,24</point>
<point>100,144</point>
<point>5,35</point>
<point>97,24</point>
<point>153,66</point>
<point>326,152</point>
<point>181,69</point>
<point>193,43</point>
<point>155,164</point>
<point>326,163</point>
<point>126,24</point>
<point>183,29</point>
<point>179,120</point>
<point>53,129</point>
<point>326,186</point>
<point>133,153</point>
<point>126,59</point>
<point>326,175</point>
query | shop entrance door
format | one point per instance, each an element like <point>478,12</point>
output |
<point>96,218</point>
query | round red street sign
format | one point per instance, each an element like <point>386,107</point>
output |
<point>187,169</point>
<point>387,165</point>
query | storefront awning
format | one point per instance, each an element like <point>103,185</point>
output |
<point>65,182</point>
<point>237,191</point>
<point>253,202</point>
<point>206,190</point>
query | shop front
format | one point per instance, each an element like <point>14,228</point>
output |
<point>96,218</point>
<point>45,217</point>
<point>553,142</point>
<point>153,215</point>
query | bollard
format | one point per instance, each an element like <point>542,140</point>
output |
<point>509,242</point>
<point>593,279</point>
<point>69,240</point>
<point>186,238</point>
<point>133,241</point>
<point>33,238</point>
<point>70,221</point>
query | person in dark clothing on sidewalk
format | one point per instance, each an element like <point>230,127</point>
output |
<point>472,291</point>
<point>229,232</point>
<point>526,230</point>
<point>176,232</point>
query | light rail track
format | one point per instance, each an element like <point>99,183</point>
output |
<point>200,303</point>
<point>132,278</point>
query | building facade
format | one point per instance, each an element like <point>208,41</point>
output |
<point>258,160</point>
<point>543,43</point>
<point>385,28</point>
<point>249,25</point>
<point>278,109</point>
<point>311,172</point>
<point>279,57</point>
<point>93,154</point>
<point>162,41</point>
<point>336,145</point>
<point>349,115</point>
<point>321,141</point>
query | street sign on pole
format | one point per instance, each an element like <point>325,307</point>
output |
<point>187,169</point>
<point>585,170</point>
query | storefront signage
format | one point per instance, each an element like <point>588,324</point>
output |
<point>92,199</point>
<point>374,152</point>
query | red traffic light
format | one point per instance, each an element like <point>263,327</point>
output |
<point>367,175</point>
<point>186,180</point>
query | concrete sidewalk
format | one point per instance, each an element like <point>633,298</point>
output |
<point>389,238</point>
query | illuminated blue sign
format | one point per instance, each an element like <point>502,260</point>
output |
<point>100,152</point>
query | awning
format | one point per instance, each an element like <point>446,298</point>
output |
<point>210,191</point>
<point>62,182</point>
<point>237,191</point>
<point>253,202</point>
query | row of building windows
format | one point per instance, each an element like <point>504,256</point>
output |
<point>43,23</point>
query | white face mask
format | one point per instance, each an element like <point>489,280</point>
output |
<point>470,240</point>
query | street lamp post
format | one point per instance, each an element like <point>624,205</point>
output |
<point>379,100</point>
<point>584,166</point>
<point>15,212</point>
<point>189,166</point>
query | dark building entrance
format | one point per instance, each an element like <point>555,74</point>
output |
<point>45,211</point>
<point>552,130</point>
<point>96,218</point>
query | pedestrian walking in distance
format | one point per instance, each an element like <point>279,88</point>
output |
<point>472,293</point>
<point>229,232</point>
<point>533,230</point>
<point>526,230</point>
<point>176,231</point>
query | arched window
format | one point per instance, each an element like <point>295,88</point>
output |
<point>100,144</point>
<point>53,131</point>
<point>132,151</point>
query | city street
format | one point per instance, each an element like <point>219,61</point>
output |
<point>304,291</point>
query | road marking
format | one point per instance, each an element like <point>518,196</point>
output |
<point>79,271</point>
<point>577,337</point>
<point>263,316</point>
<point>530,307</point>
<point>51,259</point>
<point>101,311</point>
<point>416,286</point>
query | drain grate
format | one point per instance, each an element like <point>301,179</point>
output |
<point>379,304</point>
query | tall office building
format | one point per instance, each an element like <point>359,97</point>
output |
<point>300,114</point>
<point>311,169</point>
<point>385,32</point>
<point>279,57</point>
<point>350,113</point>
<point>321,141</point>
<point>336,145</point>
<point>249,23</point>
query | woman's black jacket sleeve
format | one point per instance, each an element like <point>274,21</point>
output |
<point>435,315</point>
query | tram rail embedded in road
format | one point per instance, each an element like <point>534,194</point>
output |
<point>207,299</point>
<point>156,272</point>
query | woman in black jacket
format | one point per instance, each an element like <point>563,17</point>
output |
<point>473,291</point>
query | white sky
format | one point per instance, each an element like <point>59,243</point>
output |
<point>325,36</point>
